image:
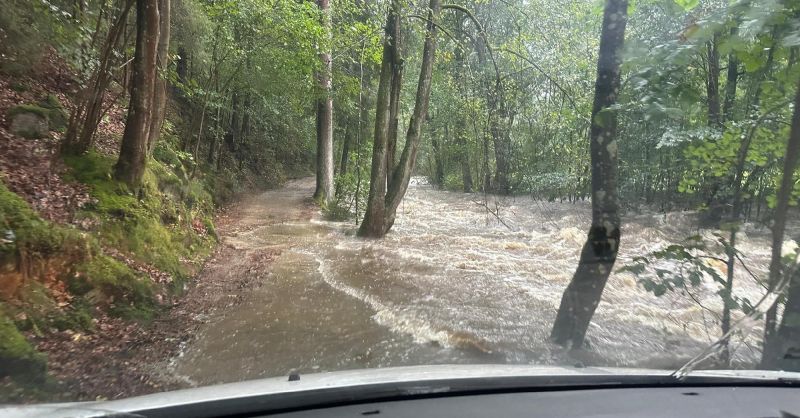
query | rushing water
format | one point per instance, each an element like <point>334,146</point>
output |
<point>449,284</point>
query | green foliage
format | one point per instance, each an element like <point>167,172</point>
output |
<point>348,190</point>
<point>106,281</point>
<point>24,231</point>
<point>453,182</point>
<point>18,358</point>
<point>681,267</point>
<point>687,5</point>
<point>152,225</point>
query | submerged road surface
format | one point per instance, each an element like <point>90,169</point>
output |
<point>448,284</point>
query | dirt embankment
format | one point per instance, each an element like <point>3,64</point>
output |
<point>126,359</point>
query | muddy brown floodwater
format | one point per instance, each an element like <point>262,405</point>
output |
<point>449,284</point>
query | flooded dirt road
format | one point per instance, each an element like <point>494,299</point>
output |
<point>449,284</point>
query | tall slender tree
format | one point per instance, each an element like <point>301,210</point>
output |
<point>324,190</point>
<point>160,88</point>
<point>599,253</point>
<point>782,345</point>
<point>133,152</point>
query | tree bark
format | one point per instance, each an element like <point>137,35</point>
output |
<point>487,174</point>
<point>730,84</point>
<point>182,66</point>
<point>85,117</point>
<point>244,128</point>
<point>712,82</point>
<point>466,173</point>
<point>501,146</point>
<point>234,123</point>
<point>373,223</point>
<point>348,138</point>
<point>394,109</point>
<point>133,151</point>
<point>438,170</point>
<point>402,173</point>
<point>381,210</point>
<point>160,89</point>
<point>781,346</point>
<point>599,253</point>
<point>324,190</point>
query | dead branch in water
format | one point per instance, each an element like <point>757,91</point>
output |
<point>495,212</point>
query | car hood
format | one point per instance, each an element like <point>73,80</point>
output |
<point>283,393</point>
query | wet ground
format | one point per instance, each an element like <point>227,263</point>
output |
<point>449,284</point>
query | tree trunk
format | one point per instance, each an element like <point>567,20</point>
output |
<point>783,353</point>
<point>600,250</point>
<point>324,189</point>
<point>466,173</point>
<point>182,66</point>
<point>402,173</point>
<point>394,110</point>
<point>459,61</point>
<point>233,124</point>
<point>730,84</point>
<point>160,89</point>
<point>712,83</point>
<point>501,146</point>
<point>373,223</point>
<point>438,171</point>
<point>348,138</point>
<point>381,210</point>
<point>487,175</point>
<point>85,117</point>
<point>133,151</point>
<point>781,349</point>
<point>244,128</point>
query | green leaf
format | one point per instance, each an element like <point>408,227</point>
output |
<point>687,5</point>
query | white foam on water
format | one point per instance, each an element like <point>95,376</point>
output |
<point>395,319</point>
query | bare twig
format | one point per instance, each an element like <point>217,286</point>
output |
<point>495,213</point>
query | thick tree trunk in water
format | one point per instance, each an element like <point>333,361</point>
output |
<point>373,223</point>
<point>380,216</point>
<point>160,90</point>
<point>402,173</point>
<point>600,250</point>
<point>133,152</point>
<point>782,346</point>
<point>712,83</point>
<point>324,190</point>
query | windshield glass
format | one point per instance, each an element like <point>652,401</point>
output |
<point>196,192</point>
